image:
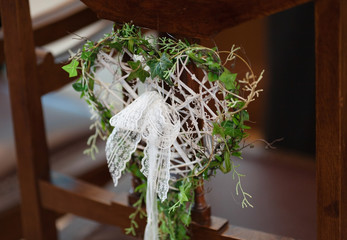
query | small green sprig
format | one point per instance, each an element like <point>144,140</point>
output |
<point>139,211</point>
<point>175,212</point>
<point>134,168</point>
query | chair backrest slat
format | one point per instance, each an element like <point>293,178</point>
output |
<point>331,118</point>
<point>189,18</point>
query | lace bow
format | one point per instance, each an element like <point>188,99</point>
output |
<point>153,120</point>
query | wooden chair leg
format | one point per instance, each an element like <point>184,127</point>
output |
<point>201,212</point>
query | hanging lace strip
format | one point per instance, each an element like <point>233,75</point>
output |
<point>150,118</point>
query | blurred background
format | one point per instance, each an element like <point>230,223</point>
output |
<point>281,181</point>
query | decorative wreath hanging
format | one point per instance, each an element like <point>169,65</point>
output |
<point>172,107</point>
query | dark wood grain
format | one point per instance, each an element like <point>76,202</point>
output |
<point>2,55</point>
<point>50,75</point>
<point>32,154</point>
<point>57,23</point>
<point>10,220</point>
<point>331,110</point>
<point>10,214</point>
<point>343,75</point>
<point>69,195</point>
<point>190,18</point>
<point>234,232</point>
<point>66,195</point>
<point>201,212</point>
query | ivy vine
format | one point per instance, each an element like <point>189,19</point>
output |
<point>159,61</point>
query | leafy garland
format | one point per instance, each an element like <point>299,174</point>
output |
<point>160,55</point>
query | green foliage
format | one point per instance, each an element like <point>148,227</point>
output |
<point>231,132</point>
<point>71,68</point>
<point>184,191</point>
<point>228,79</point>
<point>138,72</point>
<point>79,87</point>
<point>172,46</point>
<point>160,67</point>
<point>175,212</point>
<point>160,56</point>
<point>139,211</point>
<point>212,76</point>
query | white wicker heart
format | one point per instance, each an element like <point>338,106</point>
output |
<point>181,118</point>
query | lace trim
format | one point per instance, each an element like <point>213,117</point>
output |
<point>152,119</point>
<point>120,145</point>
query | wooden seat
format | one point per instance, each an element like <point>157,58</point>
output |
<point>44,194</point>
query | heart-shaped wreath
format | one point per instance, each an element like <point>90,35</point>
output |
<point>172,107</point>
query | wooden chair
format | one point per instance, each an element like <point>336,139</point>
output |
<point>48,25</point>
<point>43,194</point>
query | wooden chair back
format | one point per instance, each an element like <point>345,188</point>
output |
<point>43,194</point>
<point>41,29</point>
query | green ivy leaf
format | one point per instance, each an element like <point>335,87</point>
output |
<point>138,72</point>
<point>103,125</point>
<point>164,227</point>
<point>214,164</point>
<point>205,173</point>
<point>71,68</point>
<point>141,188</point>
<point>78,87</point>
<point>116,45</point>
<point>134,65</point>
<point>136,171</point>
<point>237,154</point>
<point>182,197</point>
<point>180,233</point>
<point>85,54</point>
<point>217,129</point>
<point>228,79</point>
<point>159,66</point>
<point>229,131</point>
<point>245,115</point>
<point>212,76</point>
<point>185,218</point>
<point>212,65</point>
<point>219,158</point>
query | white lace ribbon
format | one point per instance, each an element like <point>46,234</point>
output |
<point>150,118</point>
